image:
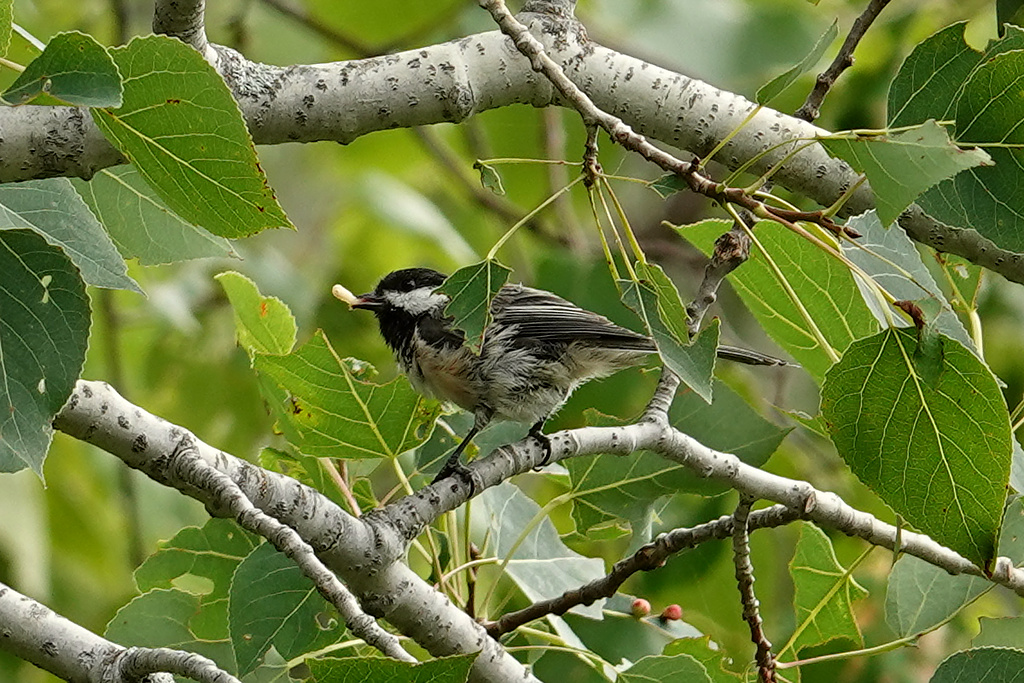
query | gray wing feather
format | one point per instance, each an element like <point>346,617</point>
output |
<point>548,318</point>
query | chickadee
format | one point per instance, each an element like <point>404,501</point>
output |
<point>536,351</point>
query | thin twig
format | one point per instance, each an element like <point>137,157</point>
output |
<point>731,249</point>
<point>649,557</point>
<point>844,60</point>
<point>620,132</point>
<point>745,583</point>
<point>505,210</point>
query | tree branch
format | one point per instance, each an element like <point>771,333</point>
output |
<point>453,81</point>
<point>227,499</point>
<point>745,583</point>
<point>37,634</point>
<point>363,552</point>
<point>844,60</point>
<point>649,557</point>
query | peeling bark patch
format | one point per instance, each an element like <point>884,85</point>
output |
<point>122,422</point>
<point>140,443</point>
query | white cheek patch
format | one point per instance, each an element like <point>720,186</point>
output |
<point>417,301</point>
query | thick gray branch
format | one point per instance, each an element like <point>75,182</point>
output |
<point>452,81</point>
<point>363,552</point>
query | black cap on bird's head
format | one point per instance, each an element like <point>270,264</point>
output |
<point>390,287</point>
<point>400,299</point>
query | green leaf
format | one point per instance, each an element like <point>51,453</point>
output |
<point>892,260</point>
<point>729,425</point>
<point>655,299</point>
<point>200,562</point>
<point>901,166</point>
<point>981,665</point>
<point>182,129</point>
<point>773,88</point>
<point>139,222</point>
<point>823,593</point>
<point>471,290</point>
<point>621,636</point>
<point>937,454</point>
<point>945,78</point>
<point>540,564</point>
<point>1008,12</point>
<point>54,210</point>
<point>170,618</point>
<point>490,178</point>
<point>210,553</point>
<point>713,659</point>
<point>668,184</point>
<point>352,670</point>
<point>73,69</point>
<point>43,338</point>
<point>264,323</point>
<point>920,596</point>
<point>987,199</point>
<point>1000,632</point>
<point>330,413</point>
<point>930,79</point>
<point>607,489</point>
<point>6,17</point>
<point>273,603</point>
<point>680,668</point>
<point>823,287</point>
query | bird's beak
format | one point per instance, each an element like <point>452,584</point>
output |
<point>369,301</point>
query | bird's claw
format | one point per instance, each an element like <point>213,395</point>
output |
<point>457,469</point>
<point>545,447</point>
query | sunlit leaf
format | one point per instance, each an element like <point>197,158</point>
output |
<point>903,165</point>
<point>823,287</point>
<point>73,69</point>
<point>273,604</point>
<point>43,337</point>
<point>471,290</point>
<point>331,413</point>
<point>182,129</point>
<point>264,323</point>
<point>937,453</point>
<point>823,593</point>
<point>773,88</point>
<point>141,224</point>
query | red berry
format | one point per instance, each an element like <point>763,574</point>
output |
<point>640,608</point>
<point>672,613</point>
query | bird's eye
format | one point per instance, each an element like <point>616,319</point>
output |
<point>410,285</point>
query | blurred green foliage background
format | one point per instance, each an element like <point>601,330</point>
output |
<point>410,197</point>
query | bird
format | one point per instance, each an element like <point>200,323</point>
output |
<point>536,350</point>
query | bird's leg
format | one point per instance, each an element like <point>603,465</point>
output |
<point>545,443</point>
<point>453,465</point>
